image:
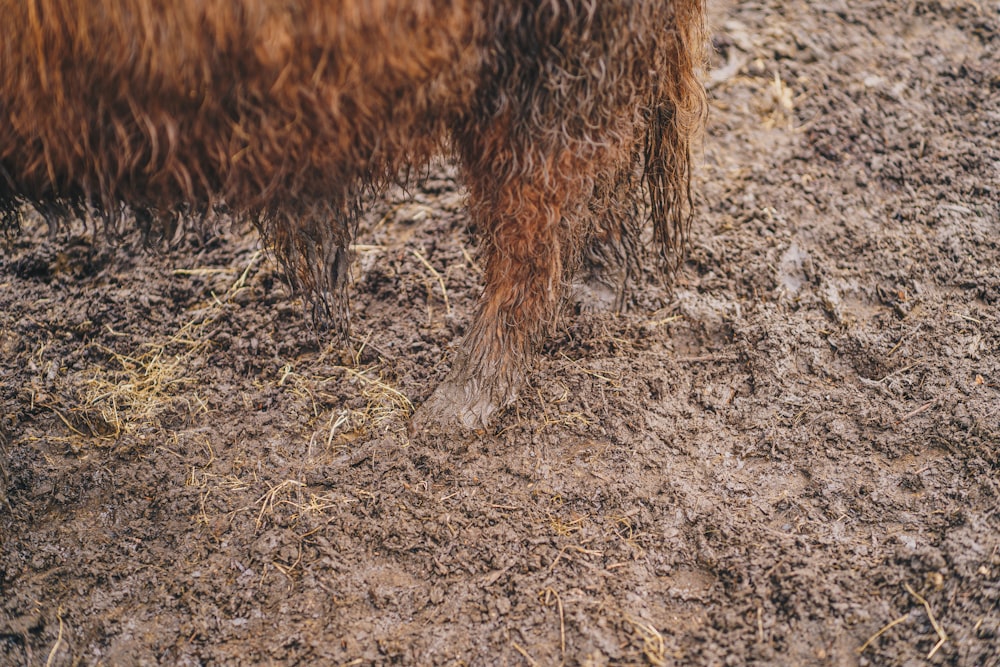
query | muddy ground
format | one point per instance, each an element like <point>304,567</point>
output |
<point>790,457</point>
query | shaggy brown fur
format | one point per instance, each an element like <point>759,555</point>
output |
<point>288,112</point>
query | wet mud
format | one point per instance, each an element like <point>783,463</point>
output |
<point>791,456</point>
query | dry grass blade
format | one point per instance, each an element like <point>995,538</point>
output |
<point>58,644</point>
<point>436,274</point>
<point>545,597</point>
<point>653,646</point>
<point>59,639</point>
<point>665,320</point>
<point>525,654</point>
<point>885,628</point>
<point>267,501</point>
<point>385,401</point>
<point>913,413</point>
<point>942,637</point>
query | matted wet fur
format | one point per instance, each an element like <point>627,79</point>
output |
<point>561,114</point>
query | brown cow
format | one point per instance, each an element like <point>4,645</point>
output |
<point>561,114</point>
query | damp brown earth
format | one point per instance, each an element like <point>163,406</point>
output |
<point>791,456</point>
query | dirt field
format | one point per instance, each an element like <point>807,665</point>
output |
<point>790,457</point>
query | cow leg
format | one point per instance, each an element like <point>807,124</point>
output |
<point>613,253</point>
<point>532,211</point>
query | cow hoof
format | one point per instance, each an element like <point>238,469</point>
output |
<point>452,409</point>
<point>460,406</point>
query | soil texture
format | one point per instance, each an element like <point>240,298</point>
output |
<point>790,456</point>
